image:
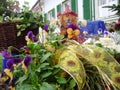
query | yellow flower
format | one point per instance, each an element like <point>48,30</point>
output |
<point>9,73</point>
<point>28,40</point>
<point>76,32</point>
<point>69,30</point>
<point>24,67</point>
<point>49,47</point>
<point>12,88</point>
<point>5,78</point>
<point>116,79</point>
<point>72,33</point>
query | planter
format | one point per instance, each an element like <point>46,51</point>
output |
<point>8,35</point>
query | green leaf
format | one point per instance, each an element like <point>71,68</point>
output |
<point>38,70</point>
<point>43,65</point>
<point>46,74</point>
<point>34,77</point>
<point>19,33</point>
<point>24,87</point>
<point>46,86</point>
<point>45,57</point>
<point>61,80</point>
<point>21,79</point>
<point>72,83</point>
<point>18,26</point>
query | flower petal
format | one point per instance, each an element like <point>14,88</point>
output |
<point>27,60</point>
<point>9,73</point>
<point>5,54</point>
<point>46,28</point>
<point>10,63</point>
<point>30,34</point>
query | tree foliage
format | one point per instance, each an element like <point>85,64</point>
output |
<point>113,8</point>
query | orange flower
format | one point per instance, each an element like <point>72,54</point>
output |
<point>72,33</point>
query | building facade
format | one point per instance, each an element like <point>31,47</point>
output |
<point>86,9</point>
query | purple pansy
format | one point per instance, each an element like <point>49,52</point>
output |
<point>17,60</point>
<point>27,60</point>
<point>32,36</point>
<point>12,61</point>
<point>5,54</point>
<point>73,26</point>
<point>106,32</point>
<point>99,31</point>
<point>46,28</point>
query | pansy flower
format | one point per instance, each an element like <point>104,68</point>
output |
<point>11,63</point>
<point>29,41</point>
<point>46,28</point>
<point>9,73</point>
<point>25,63</point>
<point>106,34</point>
<point>73,26</point>
<point>3,76</point>
<point>99,31</point>
<point>30,34</point>
<point>34,38</point>
<point>5,54</point>
<point>72,31</point>
<point>85,32</point>
<point>26,49</point>
<point>31,37</point>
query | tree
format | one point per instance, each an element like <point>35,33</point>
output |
<point>8,6</point>
<point>113,8</point>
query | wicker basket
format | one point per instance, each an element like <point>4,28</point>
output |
<point>8,35</point>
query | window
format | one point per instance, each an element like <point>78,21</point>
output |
<point>105,12</point>
<point>67,2</point>
<point>51,14</point>
<point>59,8</point>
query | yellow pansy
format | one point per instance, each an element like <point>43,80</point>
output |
<point>28,40</point>
<point>24,67</point>
<point>72,33</point>
<point>12,88</point>
<point>9,73</point>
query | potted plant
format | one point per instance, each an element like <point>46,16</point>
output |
<point>58,64</point>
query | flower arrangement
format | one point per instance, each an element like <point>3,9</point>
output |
<point>59,64</point>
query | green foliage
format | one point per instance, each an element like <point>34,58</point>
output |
<point>5,6</point>
<point>114,53</point>
<point>29,19</point>
<point>94,80</point>
<point>43,74</point>
<point>113,8</point>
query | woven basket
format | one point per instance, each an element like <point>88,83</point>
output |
<point>8,35</point>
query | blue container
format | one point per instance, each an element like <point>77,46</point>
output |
<point>93,27</point>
